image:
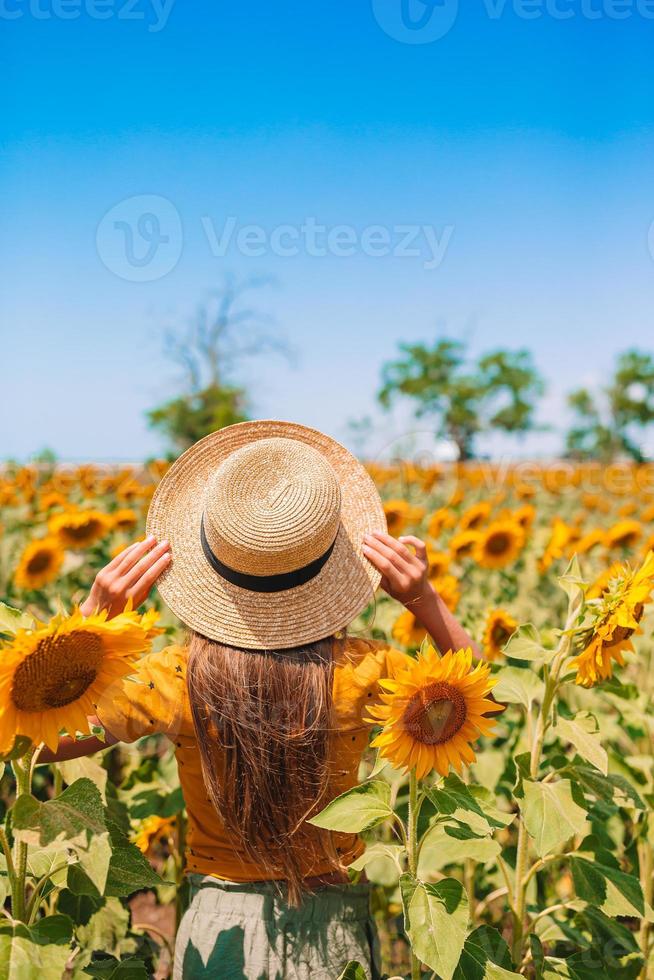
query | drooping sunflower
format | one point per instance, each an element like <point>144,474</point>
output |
<point>407,630</point>
<point>39,564</point>
<point>499,544</point>
<point>624,534</point>
<point>618,616</point>
<point>79,528</point>
<point>500,626</point>
<point>52,676</point>
<point>431,712</point>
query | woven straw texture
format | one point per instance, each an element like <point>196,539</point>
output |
<point>273,495</point>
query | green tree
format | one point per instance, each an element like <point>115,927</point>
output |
<point>464,398</point>
<point>225,331</point>
<point>613,420</point>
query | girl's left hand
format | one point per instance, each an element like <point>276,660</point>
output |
<point>130,575</point>
<point>404,571</point>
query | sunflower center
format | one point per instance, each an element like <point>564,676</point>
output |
<point>435,714</point>
<point>39,562</point>
<point>59,671</point>
<point>498,543</point>
<point>499,635</point>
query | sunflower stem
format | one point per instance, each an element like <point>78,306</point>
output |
<point>23,774</point>
<point>412,852</point>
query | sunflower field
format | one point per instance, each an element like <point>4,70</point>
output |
<point>505,803</point>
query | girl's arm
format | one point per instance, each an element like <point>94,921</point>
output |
<point>77,748</point>
<point>404,577</point>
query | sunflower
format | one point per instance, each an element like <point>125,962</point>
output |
<point>447,587</point>
<point>52,676</point>
<point>39,564</point>
<point>52,498</point>
<point>618,618</point>
<point>462,544</point>
<point>124,519</point>
<point>397,515</point>
<point>475,516</point>
<point>560,537</point>
<point>525,516</point>
<point>588,541</point>
<point>432,709</point>
<point>153,829</point>
<point>624,534</point>
<point>499,544</point>
<point>601,584</point>
<point>439,521</point>
<point>500,626</point>
<point>438,562</point>
<point>80,528</point>
<point>407,630</point>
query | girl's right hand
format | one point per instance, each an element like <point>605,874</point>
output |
<point>130,575</point>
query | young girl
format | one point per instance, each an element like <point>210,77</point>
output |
<point>271,540</point>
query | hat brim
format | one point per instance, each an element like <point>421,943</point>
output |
<point>210,605</point>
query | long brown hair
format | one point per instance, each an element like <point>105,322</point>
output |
<point>263,721</point>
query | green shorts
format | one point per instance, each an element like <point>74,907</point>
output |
<point>237,931</point>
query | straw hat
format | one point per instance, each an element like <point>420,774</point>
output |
<point>266,522</point>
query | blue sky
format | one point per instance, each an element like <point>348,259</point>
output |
<point>522,140</point>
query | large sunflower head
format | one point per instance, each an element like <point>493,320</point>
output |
<point>39,564</point>
<point>618,614</point>
<point>500,626</point>
<point>51,677</point>
<point>432,710</point>
<point>80,528</point>
<point>499,544</point>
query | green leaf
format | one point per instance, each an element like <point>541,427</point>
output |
<point>106,928</point>
<point>130,968</point>
<point>526,644</point>
<point>87,767</point>
<point>129,871</point>
<point>382,862</point>
<point>582,731</point>
<point>574,586</point>
<point>441,847</point>
<point>360,808</point>
<point>436,921</point>
<point>551,814</point>
<point>353,971</point>
<point>484,950</point>
<point>453,794</point>
<point>518,685</point>
<point>73,816</point>
<point>12,620</point>
<point>607,888</point>
<point>35,952</point>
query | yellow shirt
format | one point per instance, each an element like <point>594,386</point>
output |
<point>155,700</point>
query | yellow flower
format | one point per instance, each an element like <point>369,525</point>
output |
<point>151,830</point>
<point>52,498</point>
<point>52,676</point>
<point>79,528</point>
<point>561,536</point>
<point>124,519</point>
<point>525,516</point>
<point>438,561</point>
<point>39,564</point>
<point>397,515</point>
<point>462,544</point>
<point>475,516</point>
<point>500,626</point>
<point>624,534</point>
<point>588,541</point>
<point>601,584</point>
<point>499,544</point>
<point>618,617</point>
<point>407,630</point>
<point>432,710</point>
<point>447,587</point>
<point>439,521</point>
